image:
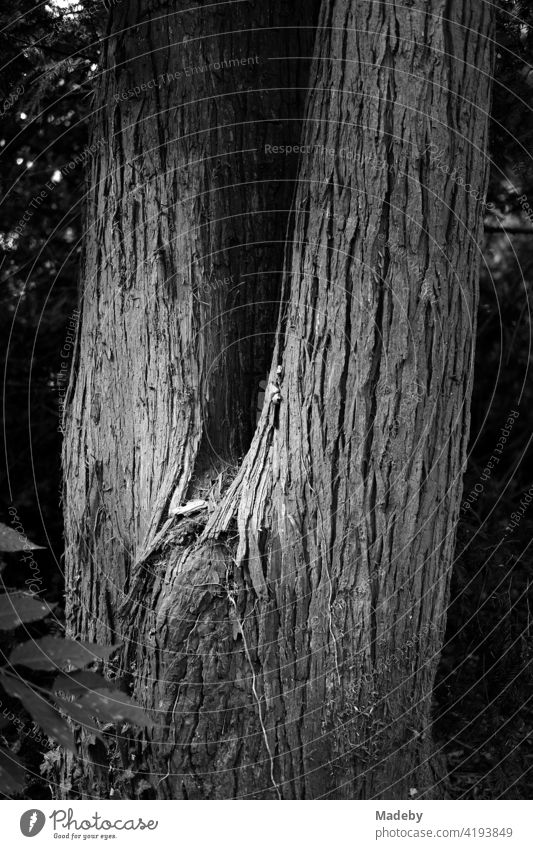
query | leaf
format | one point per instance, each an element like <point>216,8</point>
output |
<point>11,773</point>
<point>11,540</point>
<point>112,705</point>
<point>79,683</point>
<point>19,607</point>
<point>56,652</point>
<point>80,716</point>
<point>42,712</point>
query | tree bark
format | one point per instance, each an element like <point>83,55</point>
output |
<point>184,253</point>
<point>290,650</point>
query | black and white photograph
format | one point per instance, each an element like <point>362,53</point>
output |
<point>266,509</point>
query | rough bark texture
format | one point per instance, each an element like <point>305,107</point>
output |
<point>185,229</point>
<point>290,650</point>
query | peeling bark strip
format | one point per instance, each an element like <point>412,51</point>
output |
<point>290,650</point>
<point>184,251</point>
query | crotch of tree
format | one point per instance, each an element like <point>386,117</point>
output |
<point>261,389</point>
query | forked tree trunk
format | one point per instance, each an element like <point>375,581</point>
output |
<point>181,282</point>
<point>290,650</point>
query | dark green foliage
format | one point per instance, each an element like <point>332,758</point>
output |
<point>54,702</point>
<point>11,773</point>
<point>19,607</point>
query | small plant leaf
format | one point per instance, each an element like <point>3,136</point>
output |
<point>112,706</point>
<point>42,712</point>
<point>80,683</point>
<point>19,607</point>
<point>11,540</point>
<point>58,653</point>
<point>11,773</point>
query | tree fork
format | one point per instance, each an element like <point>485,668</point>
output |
<point>320,685</point>
<point>186,221</point>
<point>171,286</point>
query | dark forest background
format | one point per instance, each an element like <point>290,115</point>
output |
<point>49,61</point>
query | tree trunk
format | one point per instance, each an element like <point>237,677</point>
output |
<point>184,252</point>
<point>289,651</point>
